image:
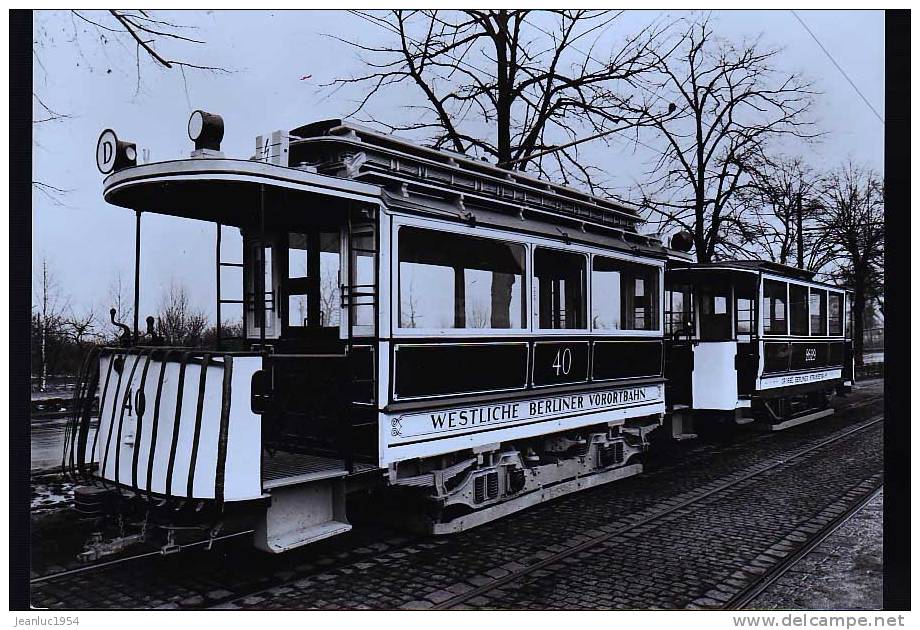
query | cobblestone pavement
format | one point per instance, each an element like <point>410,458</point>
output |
<point>842,573</point>
<point>669,565</point>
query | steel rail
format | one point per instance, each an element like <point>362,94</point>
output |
<point>592,542</point>
<point>494,584</point>
<point>749,593</point>
<point>109,563</point>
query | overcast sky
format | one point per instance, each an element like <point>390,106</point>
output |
<point>268,55</point>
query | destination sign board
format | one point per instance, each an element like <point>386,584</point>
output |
<point>468,419</point>
<point>788,380</point>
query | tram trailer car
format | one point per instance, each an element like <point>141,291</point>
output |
<point>753,340</point>
<point>473,341</point>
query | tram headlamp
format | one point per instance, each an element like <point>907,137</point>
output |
<point>206,130</point>
<point>113,154</point>
<point>682,241</point>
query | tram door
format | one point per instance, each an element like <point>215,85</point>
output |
<point>301,281</point>
<point>310,286</point>
<point>715,381</point>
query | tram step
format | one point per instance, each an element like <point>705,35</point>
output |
<point>808,417</point>
<point>302,514</point>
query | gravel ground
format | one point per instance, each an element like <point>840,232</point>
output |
<point>843,573</point>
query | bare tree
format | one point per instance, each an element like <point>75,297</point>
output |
<point>330,301</point>
<point>496,84</point>
<point>93,35</point>
<point>778,210</point>
<point>478,315</point>
<point>48,317</point>
<point>82,327</point>
<point>853,220</point>
<point>409,308</point>
<point>727,102</point>
<point>120,298</point>
<point>178,323</point>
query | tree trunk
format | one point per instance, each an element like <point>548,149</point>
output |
<point>799,234</point>
<point>699,235</point>
<point>859,306</point>
<point>459,298</point>
<point>503,105</point>
<point>702,248</point>
<point>43,357</point>
<point>502,283</point>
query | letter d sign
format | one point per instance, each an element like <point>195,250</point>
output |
<point>113,154</point>
<point>105,151</point>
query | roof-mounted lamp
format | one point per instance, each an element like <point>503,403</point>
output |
<point>113,154</point>
<point>682,241</point>
<point>206,130</point>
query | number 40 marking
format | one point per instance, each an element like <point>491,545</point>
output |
<point>563,362</point>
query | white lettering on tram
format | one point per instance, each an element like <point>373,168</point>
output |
<point>466,419</point>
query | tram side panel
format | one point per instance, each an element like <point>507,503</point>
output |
<point>426,424</point>
<point>788,365</point>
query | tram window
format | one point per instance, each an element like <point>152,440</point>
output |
<point>624,296</point>
<point>818,309</point>
<point>774,307</point>
<point>678,310</point>
<point>297,310</point>
<point>312,283</point>
<point>560,279</point>
<point>744,313</point>
<point>453,281</point>
<point>835,312</point>
<point>363,272</point>
<point>297,255</point>
<point>715,320</point>
<point>298,270</point>
<point>798,309</point>
<point>330,263</point>
<point>262,295</point>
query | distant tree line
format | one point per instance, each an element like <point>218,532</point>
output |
<point>62,334</point>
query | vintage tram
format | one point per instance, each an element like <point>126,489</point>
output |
<point>753,340</point>
<point>474,339</point>
<point>461,340</point>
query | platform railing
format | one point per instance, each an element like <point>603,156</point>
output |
<point>101,461</point>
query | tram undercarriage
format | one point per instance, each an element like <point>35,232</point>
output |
<point>460,491</point>
<point>784,412</point>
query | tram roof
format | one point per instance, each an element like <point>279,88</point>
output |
<point>345,162</point>
<point>753,266</point>
<point>344,149</point>
<point>225,190</point>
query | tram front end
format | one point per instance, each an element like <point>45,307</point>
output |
<point>178,445</point>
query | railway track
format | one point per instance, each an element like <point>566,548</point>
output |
<point>96,566</point>
<point>749,438</point>
<point>273,574</point>
<point>597,540</point>
<point>747,595</point>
